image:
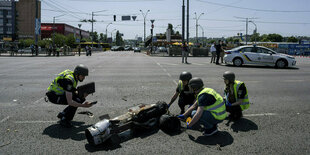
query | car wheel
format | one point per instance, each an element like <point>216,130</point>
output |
<point>238,62</point>
<point>281,63</point>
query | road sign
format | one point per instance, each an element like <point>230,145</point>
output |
<point>125,17</point>
<point>133,18</point>
<point>38,26</point>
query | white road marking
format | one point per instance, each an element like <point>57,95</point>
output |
<point>198,64</point>
<point>32,122</point>
<point>263,114</point>
<point>294,80</point>
<point>4,119</point>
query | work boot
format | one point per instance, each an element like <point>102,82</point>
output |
<point>210,132</point>
<point>65,123</point>
<point>60,115</point>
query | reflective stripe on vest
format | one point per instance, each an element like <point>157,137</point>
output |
<point>245,102</point>
<point>218,109</point>
<point>67,74</point>
<point>180,85</point>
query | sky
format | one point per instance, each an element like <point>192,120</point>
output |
<point>217,18</point>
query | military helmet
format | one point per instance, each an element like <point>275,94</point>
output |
<point>229,75</point>
<point>81,70</point>
<point>185,76</point>
<point>196,83</point>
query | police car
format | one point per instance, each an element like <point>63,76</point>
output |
<point>258,55</point>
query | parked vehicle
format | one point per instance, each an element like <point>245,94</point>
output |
<point>258,55</point>
<point>161,49</point>
<point>128,48</point>
<point>117,48</point>
<point>137,49</point>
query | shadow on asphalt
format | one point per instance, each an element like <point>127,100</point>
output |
<point>243,125</point>
<point>221,138</point>
<point>260,67</point>
<point>115,141</point>
<point>74,133</point>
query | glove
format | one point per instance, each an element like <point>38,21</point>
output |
<point>189,105</point>
<point>181,117</point>
<point>228,104</point>
<point>187,126</point>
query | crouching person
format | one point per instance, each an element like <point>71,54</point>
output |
<point>211,108</point>
<point>63,91</point>
<point>236,96</point>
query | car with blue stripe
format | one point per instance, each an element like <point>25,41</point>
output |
<point>258,55</point>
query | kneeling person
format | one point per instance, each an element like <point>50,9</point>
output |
<point>211,108</point>
<point>63,91</point>
<point>186,97</point>
<point>236,96</point>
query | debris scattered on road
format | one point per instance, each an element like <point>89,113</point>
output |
<point>88,113</point>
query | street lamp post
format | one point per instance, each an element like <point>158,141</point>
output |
<point>202,34</point>
<point>106,31</point>
<point>144,17</point>
<point>112,33</point>
<point>255,31</point>
<point>54,18</point>
<point>197,25</point>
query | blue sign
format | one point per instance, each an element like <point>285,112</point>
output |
<point>38,26</point>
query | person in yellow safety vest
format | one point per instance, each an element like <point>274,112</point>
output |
<point>63,91</point>
<point>236,96</point>
<point>211,108</point>
<point>186,96</point>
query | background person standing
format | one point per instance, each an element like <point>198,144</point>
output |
<point>185,51</point>
<point>213,52</point>
<point>218,51</point>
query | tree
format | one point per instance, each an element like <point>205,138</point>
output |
<point>59,39</point>
<point>254,37</point>
<point>170,26</point>
<point>70,40</point>
<point>102,37</point>
<point>275,37</point>
<point>292,39</point>
<point>264,38</point>
<point>119,40</point>
<point>94,35</point>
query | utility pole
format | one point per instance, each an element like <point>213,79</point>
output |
<point>80,39</point>
<point>187,24</point>
<point>144,17</point>
<point>183,23</point>
<point>197,25</point>
<point>37,31</point>
<point>152,21</point>
<point>255,31</point>
<point>246,27</point>
<point>106,31</point>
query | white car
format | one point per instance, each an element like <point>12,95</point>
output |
<point>258,55</point>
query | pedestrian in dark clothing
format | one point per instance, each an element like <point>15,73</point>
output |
<point>218,52</point>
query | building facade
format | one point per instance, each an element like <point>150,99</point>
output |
<point>7,20</point>
<point>61,28</point>
<point>26,18</point>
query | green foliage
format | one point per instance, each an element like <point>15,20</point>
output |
<point>119,40</point>
<point>170,26</point>
<point>70,40</point>
<point>255,37</point>
<point>102,37</point>
<point>26,42</point>
<point>44,43</point>
<point>275,37</point>
<point>59,40</point>
<point>292,39</point>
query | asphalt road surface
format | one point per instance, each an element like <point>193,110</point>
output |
<point>277,121</point>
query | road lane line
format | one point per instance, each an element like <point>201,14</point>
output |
<point>4,119</point>
<point>165,70</point>
<point>294,80</point>
<point>32,122</point>
<point>263,114</point>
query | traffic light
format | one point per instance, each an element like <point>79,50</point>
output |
<point>114,17</point>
